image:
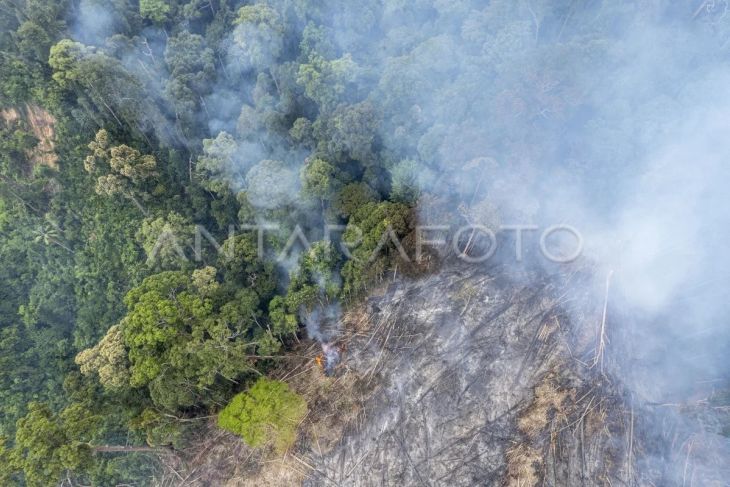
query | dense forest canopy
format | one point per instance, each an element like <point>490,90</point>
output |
<point>141,141</point>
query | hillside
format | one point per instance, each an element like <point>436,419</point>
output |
<point>374,242</point>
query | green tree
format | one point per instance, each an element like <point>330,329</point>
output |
<point>377,230</point>
<point>258,38</point>
<point>33,41</point>
<point>155,10</point>
<point>205,281</point>
<point>352,197</point>
<point>318,267</point>
<point>350,132</point>
<point>166,240</point>
<point>107,359</point>
<point>49,233</point>
<point>106,91</point>
<point>283,320</point>
<point>219,167</point>
<point>48,444</point>
<point>243,267</point>
<point>187,348</point>
<point>64,59</point>
<point>320,179</point>
<point>407,179</point>
<point>325,82</point>
<point>269,412</point>
<point>314,283</point>
<point>301,131</point>
<point>192,70</point>
<point>120,169</point>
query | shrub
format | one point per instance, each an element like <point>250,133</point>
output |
<point>269,412</point>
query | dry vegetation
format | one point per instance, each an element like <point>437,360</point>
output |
<point>548,402</point>
<point>524,466</point>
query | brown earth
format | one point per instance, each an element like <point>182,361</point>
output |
<point>41,124</point>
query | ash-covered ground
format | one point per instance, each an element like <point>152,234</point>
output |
<point>476,385</point>
<point>478,377</point>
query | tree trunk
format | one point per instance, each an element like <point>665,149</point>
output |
<point>128,449</point>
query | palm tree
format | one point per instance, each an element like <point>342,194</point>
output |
<point>48,233</point>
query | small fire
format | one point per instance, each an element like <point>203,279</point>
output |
<point>328,359</point>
